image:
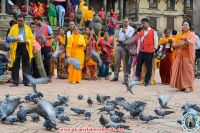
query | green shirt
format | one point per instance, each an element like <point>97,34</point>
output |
<point>52,10</point>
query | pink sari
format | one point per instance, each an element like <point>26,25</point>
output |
<point>182,69</point>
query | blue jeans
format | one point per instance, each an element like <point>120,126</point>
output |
<point>61,18</point>
<point>104,70</point>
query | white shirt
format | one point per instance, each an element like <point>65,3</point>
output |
<point>155,39</point>
<point>123,36</point>
<point>197,42</point>
<point>68,34</point>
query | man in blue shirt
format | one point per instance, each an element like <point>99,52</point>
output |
<point>61,14</point>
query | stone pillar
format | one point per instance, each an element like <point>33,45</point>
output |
<point>27,5</point>
<point>121,4</point>
<point>3,6</point>
<point>48,2</point>
<point>105,5</point>
<point>196,16</point>
<point>88,2</point>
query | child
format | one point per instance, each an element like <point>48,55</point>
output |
<point>106,46</point>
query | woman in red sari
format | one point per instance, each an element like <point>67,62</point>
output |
<point>182,70</point>
<point>166,63</point>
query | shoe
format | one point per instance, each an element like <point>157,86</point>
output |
<point>114,79</point>
<point>14,85</point>
<point>29,85</point>
<point>146,84</point>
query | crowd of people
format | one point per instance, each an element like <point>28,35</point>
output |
<point>139,49</point>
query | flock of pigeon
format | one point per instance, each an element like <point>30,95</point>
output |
<point>116,109</point>
<point>53,111</point>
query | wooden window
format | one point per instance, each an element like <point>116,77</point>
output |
<point>170,23</point>
<point>153,4</point>
<point>171,5</point>
<point>188,4</point>
<point>153,22</point>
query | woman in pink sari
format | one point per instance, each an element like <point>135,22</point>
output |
<point>182,70</point>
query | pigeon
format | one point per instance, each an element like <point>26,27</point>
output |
<point>35,94</point>
<point>120,114</point>
<point>102,99</point>
<point>4,46</point>
<point>119,98</point>
<point>146,118</point>
<point>35,117</point>
<point>46,110</point>
<point>59,109</point>
<point>116,119</point>
<point>163,101</point>
<point>190,110</point>
<point>124,104</point>
<point>21,115</point>
<point>27,98</point>
<point>49,125</point>
<point>196,107</point>
<point>117,125</point>
<point>163,112</point>
<point>63,99</point>
<point>8,107</point>
<point>80,97</point>
<point>179,121</point>
<point>11,119</point>
<point>103,121</point>
<point>87,114</point>
<point>95,56</point>
<point>136,104</point>
<point>131,84</point>
<point>186,105</point>
<point>89,101</point>
<point>75,63</point>
<point>136,113</point>
<point>78,110</point>
<point>57,52</point>
<point>63,117</point>
<point>57,103</point>
<point>23,109</point>
<point>36,81</point>
<point>4,56</point>
<point>108,107</point>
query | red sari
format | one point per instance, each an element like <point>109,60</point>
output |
<point>166,63</point>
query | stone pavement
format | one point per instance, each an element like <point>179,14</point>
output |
<point>90,89</point>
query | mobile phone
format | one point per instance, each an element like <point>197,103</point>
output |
<point>120,26</point>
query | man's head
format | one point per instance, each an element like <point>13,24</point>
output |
<point>145,23</point>
<point>125,22</point>
<point>71,25</point>
<point>38,20</point>
<point>33,26</point>
<point>20,20</point>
